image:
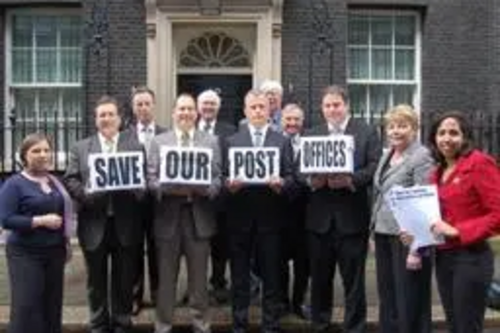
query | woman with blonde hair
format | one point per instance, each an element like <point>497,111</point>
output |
<point>403,276</point>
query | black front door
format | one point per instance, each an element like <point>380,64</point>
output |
<point>231,89</point>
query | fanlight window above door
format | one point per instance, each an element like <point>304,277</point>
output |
<point>215,50</point>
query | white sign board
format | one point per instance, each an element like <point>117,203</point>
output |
<point>185,165</point>
<point>116,171</point>
<point>255,165</point>
<point>415,209</point>
<point>327,154</point>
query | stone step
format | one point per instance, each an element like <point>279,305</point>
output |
<point>75,319</point>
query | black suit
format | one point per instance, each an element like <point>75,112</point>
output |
<point>219,252</point>
<point>147,223</point>
<point>294,242</point>
<point>108,226</point>
<point>338,224</point>
<point>255,217</point>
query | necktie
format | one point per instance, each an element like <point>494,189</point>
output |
<point>336,129</point>
<point>185,139</point>
<point>207,126</point>
<point>257,138</point>
<point>110,146</point>
<point>148,136</point>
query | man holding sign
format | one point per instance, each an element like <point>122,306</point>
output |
<point>105,176</point>
<point>338,209</point>
<point>259,169</point>
<point>184,171</point>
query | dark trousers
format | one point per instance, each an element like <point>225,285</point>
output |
<point>110,310</point>
<point>463,276</point>
<point>294,244</point>
<point>349,252</point>
<point>404,295</point>
<point>267,249</point>
<point>219,254</point>
<point>147,253</point>
<point>36,284</point>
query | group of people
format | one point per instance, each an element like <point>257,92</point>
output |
<point>318,222</point>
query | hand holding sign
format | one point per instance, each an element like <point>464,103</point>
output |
<point>442,228</point>
<point>234,185</point>
<point>318,181</point>
<point>276,184</point>
<point>340,181</point>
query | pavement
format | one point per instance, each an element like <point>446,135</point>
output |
<point>75,313</point>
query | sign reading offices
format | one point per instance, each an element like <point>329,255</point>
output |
<point>327,154</point>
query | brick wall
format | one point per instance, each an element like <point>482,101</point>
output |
<point>460,51</point>
<point>121,62</point>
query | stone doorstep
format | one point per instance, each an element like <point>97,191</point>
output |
<point>75,318</point>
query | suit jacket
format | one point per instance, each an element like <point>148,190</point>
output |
<point>470,199</point>
<point>148,200</point>
<point>168,206</point>
<point>259,205</point>
<point>93,208</point>
<point>414,169</point>
<point>298,199</point>
<point>224,130</point>
<point>131,131</point>
<point>346,211</point>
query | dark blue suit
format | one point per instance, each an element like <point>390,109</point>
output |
<point>255,217</point>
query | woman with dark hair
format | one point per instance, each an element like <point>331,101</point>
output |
<point>468,182</point>
<point>37,213</point>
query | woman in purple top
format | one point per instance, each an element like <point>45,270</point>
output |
<point>35,212</point>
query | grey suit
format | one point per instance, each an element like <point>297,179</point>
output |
<point>414,169</point>
<point>109,225</point>
<point>405,298</point>
<point>183,226</point>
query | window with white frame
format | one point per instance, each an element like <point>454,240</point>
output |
<point>383,61</point>
<point>44,75</point>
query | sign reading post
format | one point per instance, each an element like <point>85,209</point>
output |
<point>327,154</point>
<point>185,165</point>
<point>254,165</point>
<point>117,171</point>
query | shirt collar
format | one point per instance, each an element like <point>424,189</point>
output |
<point>142,128</point>
<point>103,140</point>
<point>178,133</point>
<point>253,129</point>
<point>343,125</point>
<point>203,122</point>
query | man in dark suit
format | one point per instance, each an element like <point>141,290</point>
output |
<point>142,131</point>
<point>294,238</point>
<point>184,220</point>
<point>208,108</point>
<point>256,217</point>
<point>338,216</point>
<point>108,225</point>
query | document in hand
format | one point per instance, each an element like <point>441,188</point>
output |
<point>415,208</point>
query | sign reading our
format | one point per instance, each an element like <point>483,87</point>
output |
<point>185,165</point>
<point>117,171</point>
<point>254,165</point>
<point>327,154</point>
